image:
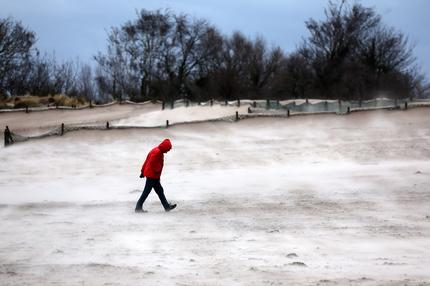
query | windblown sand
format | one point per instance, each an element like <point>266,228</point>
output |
<point>329,200</point>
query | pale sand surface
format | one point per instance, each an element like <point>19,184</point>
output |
<point>329,200</point>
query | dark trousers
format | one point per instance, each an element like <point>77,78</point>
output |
<point>152,183</point>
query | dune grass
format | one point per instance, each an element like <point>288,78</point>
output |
<point>30,101</point>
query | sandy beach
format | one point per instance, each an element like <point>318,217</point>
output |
<point>309,200</point>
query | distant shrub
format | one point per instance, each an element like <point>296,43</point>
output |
<point>82,100</point>
<point>51,100</point>
<point>59,99</point>
<point>71,102</point>
<point>37,101</point>
<point>64,100</point>
<point>26,101</point>
<point>44,100</point>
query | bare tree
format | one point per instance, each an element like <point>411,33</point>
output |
<point>333,42</point>
<point>16,44</point>
<point>247,68</point>
<point>262,67</point>
<point>146,42</point>
<point>114,67</point>
<point>102,85</point>
<point>86,83</point>
<point>162,55</point>
<point>389,62</point>
<point>195,47</point>
<point>353,55</point>
<point>232,75</point>
<point>294,78</point>
<point>40,76</point>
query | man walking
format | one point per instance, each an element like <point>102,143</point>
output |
<point>152,169</point>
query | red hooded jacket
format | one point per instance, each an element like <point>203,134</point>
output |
<point>155,160</point>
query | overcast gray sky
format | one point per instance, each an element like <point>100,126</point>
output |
<point>78,28</point>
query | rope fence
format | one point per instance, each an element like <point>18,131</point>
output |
<point>87,106</point>
<point>260,108</point>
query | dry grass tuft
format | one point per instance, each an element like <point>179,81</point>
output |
<point>64,100</point>
<point>38,101</point>
<point>26,101</point>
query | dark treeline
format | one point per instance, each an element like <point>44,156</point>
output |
<point>23,70</point>
<point>350,54</point>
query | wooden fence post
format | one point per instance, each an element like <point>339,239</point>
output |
<point>6,137</point>
<point>288,113</point>
<point>163,105</point>
<point>348,110</point>
<point>107,125</point>
<point>62,129</point>
<point>406,105</point>
<point>167,123</point>
<point>267,103</point>
<point>8,140</point>
<point>237,115</point>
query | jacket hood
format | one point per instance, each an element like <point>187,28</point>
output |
<point>165,146</point>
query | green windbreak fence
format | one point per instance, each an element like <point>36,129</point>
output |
<point>335,106</point>
<point>305,106</point>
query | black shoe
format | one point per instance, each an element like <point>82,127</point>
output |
<point>171,207</point>
<point>139,211</point>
